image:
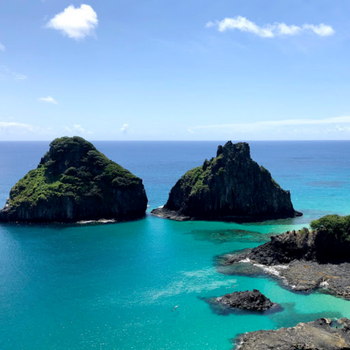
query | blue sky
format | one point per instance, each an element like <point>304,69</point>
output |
<point>175,70</point>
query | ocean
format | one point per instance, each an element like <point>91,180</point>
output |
<point>114,286</point>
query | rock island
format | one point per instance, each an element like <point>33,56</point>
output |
<point>73,182</point>
<point>229,187</point>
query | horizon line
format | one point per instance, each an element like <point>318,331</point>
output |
<point>233,140</point>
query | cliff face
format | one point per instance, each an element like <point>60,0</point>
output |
<point>229,186</point>
<point>75,182</point>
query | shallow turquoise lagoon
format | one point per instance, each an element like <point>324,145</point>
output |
<point>114,286</point>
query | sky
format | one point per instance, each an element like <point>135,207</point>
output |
<point>175,70</point>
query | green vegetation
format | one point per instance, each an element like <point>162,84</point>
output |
<point>196,179</point>
<point>335,225</point>
<point>72,167</point>
<point>304,231</point>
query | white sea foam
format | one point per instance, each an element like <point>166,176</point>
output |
<point>197,281</point>
<point>273,270</point>
<point>324,284</point>
<point>100,221</point>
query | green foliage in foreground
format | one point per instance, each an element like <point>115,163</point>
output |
<point>335,225</point>
<point>71,167</point>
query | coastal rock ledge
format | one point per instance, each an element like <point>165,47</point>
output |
<point>229,187</point>
<point>305,260</point>
<point>75,182</point>
<point>322,334</point>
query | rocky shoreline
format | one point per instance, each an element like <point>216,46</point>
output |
<point>166,213</point>
<point>294,259</point>
<point>322,334</point>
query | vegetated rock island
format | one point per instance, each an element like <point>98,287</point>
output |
<point>229,187</point>
<point>305,260</point>
<point>75,182</point>
<point>247,300</point>
<point>322,334</point>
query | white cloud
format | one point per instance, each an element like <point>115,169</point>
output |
<point>6,72</point>
<point>337,127</point>
<point>124,128</point>
<point>77,128</point>
<point>10,130</point>
<point>15,125</point>
<point>18,76</point>
<point>269,30</point>
<point>321,29</point>
<point>210,24</point>
<point>246,127</point>
<point>76,23</point>
<point>48,99</point>
<point>2,47</point>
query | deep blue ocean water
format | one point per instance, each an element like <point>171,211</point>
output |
<point>114,286</point>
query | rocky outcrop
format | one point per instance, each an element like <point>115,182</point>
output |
<point>316,245</point>
<point>75,182</point>
<point>322,334</point>
<point>248,300</point>
<point>231,187</point>
<point>304,260</point>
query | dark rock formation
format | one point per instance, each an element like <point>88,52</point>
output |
<point>229,187</point>
<point>322,334</point>
<point>305,260</point>
<point>307,245</point>
<point>248,300</point>
<point>75,182</point>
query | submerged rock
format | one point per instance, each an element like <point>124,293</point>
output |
<point>230,186</point>
<point>322,334</point>
<point>248,300</point>
<point>75,182</point>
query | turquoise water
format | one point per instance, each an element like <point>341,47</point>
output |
<point>113,286</point>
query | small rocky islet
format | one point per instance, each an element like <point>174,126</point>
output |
<point>74,182</point>
<point>229,187</point>
<point>248,300</point>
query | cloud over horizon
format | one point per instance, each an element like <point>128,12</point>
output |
<point>246,127</point>
<point>269,30</point>
<point>77,128</point>
<point>124,129</point>
<point>76,23</point>
<point>11,125</point>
